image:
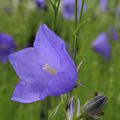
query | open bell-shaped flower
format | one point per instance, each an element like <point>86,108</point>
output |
<point>44,70</point>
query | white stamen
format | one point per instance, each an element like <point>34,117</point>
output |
<point>50,69</point>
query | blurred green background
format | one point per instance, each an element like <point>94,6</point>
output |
<point>22,21</point>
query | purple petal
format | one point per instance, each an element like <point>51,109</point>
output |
<point>68,8</point>
<point>29,65</point>
<point>103,5</point>
<point>71,108</point>
<point>60,84</point>
<point>27,92</point>
<point>6,46</point>
<point>102,46</point>
<point>40,4</point>
<point>52,45</point>
<point>118,12</point>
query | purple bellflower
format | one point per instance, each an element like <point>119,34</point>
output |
<point>44,70</point>
<point>103,5</point>
<point>68,7</point>
<point>40,4</point>
<point>101,46</point>
<point>6,46</point>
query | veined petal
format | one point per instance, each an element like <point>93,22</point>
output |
<point>61,83</point>
<point>29,65</point>
<point>27,93</point>
<point>52,45</point>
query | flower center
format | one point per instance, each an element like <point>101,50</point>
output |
<point>49,69</point>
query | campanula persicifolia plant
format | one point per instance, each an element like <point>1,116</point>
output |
<point>46,69</point>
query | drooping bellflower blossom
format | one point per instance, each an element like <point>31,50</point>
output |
<point>44,70</point>
<point>103,5</point>
<point>40,4</point>
<point>68,7</point>
<point>6,46</point>
<point>101,46</point>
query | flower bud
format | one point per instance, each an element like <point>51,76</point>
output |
<point>71,108</point>
<point>94,106</point>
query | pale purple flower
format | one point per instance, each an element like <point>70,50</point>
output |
<point>44,70</point>
<point>6,46</point>
<point>71,108</point>
<point>101,46</point>
<point>40,4</point>
<point>113,34</point>
<point>118,12</point>
<point>68,7</point>
<point>103,5</point>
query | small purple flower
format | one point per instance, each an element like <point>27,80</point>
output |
<point>40,4</point>
<point>118,12</point>
<point>44,70</point>
<point>103,5</point>
<point>6,46</point>
<point>68,7</point>
<point>113,33</point>
<point>71,108</point>
<point>102,46</point>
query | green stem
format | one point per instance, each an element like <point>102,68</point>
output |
<point>75,49</point>
<point>46,108</point>
<point>57,4</point>
<point>79,118</point>
<point>75,37</point>
<point>76,23</point>
<point>76,4</point>
<point>81,12</point>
